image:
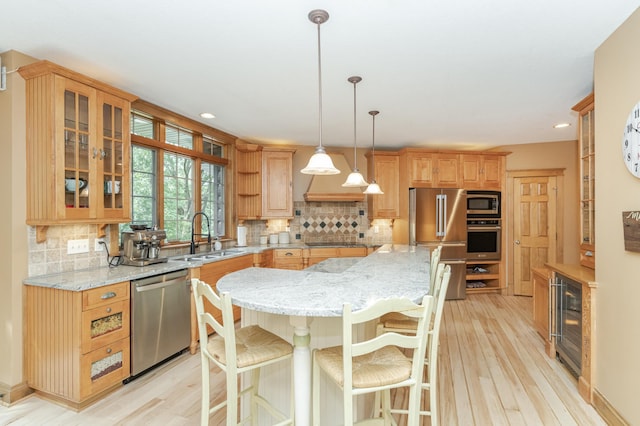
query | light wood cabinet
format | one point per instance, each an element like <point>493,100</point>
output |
<point>585,277</point>
<point>277,183</point>
<point>586,145</point>
<point>263,259</point>
<point>433,169</point>
<point>288,259</point>
<point>264,182</point>
<point>78,149</point>
<point>211,273</point>
<point>77,343</point>
<point>387,174</point>
<point>317,255</point>
<point>482,171</point>
<point>541,302</point>
<point>484,276</point>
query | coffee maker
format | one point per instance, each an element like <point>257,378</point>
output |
<point>142,247</point>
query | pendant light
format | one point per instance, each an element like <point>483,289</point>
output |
<point>354,179</point>
<point>373,188</point>
<point>319,163</point>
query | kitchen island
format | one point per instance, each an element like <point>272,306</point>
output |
<point>297,305</point>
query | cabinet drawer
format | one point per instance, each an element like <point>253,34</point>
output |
<point>104,367</point>
<point>105,295</point>
<point>287,254</point>
<point>104,324</point>
<point>352,251</point>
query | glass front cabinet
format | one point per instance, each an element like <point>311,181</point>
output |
<point>78,148</point>
<point>586,146</point>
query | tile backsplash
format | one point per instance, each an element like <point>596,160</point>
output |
<point>51,256</point>
<point>324,222</point>
<point>313,222</point>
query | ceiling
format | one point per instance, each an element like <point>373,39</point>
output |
<point>459,74</point>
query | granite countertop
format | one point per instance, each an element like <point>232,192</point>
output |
<point>321,290</point>
<point>85,279</point>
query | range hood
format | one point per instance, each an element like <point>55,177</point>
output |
<point>329,187</point>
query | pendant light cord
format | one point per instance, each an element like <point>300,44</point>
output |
<point>319,89</point>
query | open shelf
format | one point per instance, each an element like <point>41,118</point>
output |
<point>483,276</point>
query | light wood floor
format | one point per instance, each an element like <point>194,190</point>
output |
<point>493,371</point>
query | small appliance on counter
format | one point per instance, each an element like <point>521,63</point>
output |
<point>141,246</point>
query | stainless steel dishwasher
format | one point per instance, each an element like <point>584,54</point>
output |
<point>160,319</point>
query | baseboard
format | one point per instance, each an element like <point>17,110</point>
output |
<point>606,410</point>
<point>10,394</point>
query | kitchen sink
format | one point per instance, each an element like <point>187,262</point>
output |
<point>211,255</point>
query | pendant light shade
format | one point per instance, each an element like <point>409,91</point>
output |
<point>373,188</point>
<point>319,163</point>
<point>354,179</point>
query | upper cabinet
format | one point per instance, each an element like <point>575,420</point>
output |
<point>386,166</point>
<point>264,182</point>
<point>480,171</point>
<point>586,146</point>
<point>433,169</point>
<point>277,183</point>
<point>78,148</point>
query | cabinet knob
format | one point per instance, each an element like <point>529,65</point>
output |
<point>108,350</point>
<point>108,310</point>
<point>517,242</point>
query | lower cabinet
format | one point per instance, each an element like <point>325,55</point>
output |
<point>541,303</point>
<point>317,255</point>
<point>263,259</point>
<point>211,273</point>
<point>484,276</point>
<point>570,311</point>
<point>288,259</point>
<point>76,342</point>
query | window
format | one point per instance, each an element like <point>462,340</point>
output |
<point>178,137</point>
<point>178,197</point>
<point>174,178</point>
<point>143,178</point>
<point>212,192</point>
<point>142,125</point>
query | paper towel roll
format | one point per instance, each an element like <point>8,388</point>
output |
<point>242,236</point>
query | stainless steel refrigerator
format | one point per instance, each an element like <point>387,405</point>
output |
<point>438,216</point>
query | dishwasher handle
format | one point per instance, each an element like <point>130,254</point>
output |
<point>161,284</point>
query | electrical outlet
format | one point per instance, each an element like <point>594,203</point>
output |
<point>376,229</point>
<point>77,246</point>
<point>98,244</point>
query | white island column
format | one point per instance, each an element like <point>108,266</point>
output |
<point>301,369</point>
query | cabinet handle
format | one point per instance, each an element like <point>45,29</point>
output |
<point>108,295</point>
<point>108,310</point>
<point>588,253</point>
<point>288,253</point>
<point>103,154</point>
<point>108,350</point>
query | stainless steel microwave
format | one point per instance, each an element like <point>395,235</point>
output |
<point>484,204</point>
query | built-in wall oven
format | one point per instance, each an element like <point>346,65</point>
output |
<point>483,239</point>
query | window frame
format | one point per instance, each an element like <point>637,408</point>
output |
<point>163,118</point>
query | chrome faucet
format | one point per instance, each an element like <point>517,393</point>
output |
<point>192,247</point>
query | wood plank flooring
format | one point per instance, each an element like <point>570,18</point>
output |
<point>492,366</point>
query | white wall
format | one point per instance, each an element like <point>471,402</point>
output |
<point>617,89</point>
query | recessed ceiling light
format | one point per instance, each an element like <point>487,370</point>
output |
<point>561,125</point>
<point>207,115</point>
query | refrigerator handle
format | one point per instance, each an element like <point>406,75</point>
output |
<point>440,215</point>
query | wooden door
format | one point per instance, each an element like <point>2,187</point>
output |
<point>535,228</point>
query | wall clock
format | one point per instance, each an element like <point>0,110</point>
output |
<point>631,141</point>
